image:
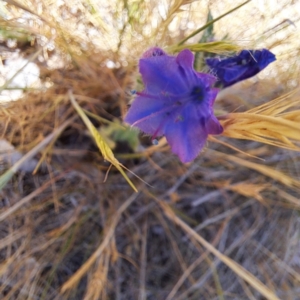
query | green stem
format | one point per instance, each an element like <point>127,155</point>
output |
<point>211,22</point>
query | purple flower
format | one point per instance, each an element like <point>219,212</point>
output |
<point>245,65</point>
<point>177,102</point>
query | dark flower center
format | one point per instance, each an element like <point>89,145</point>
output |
<point>198,93</point>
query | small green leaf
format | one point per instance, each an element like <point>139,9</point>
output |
<point>118,133</point>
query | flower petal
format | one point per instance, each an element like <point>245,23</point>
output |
<point>148,113</point>
<point>207,78</point>
<point>185,58</point>
<point>264,57</point>
<point>240,67</point>
<point>212,94</point>
<point>160,73</point>
<point>213,126</point>
<point>232,75</point>
<point>186,135</point>
<point>184,143</point>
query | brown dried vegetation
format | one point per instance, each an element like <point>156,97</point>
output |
<point>223,227</point>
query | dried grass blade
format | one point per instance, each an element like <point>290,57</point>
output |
<point>94,15</point>
<point>215,140</point>
<point>23,7</point>
<point>275,174</point>
<point>109,234</point>
<point>263,118</point>
<point>235,267</point>
<point>219,47</point>
<point>28,198</point>
<point>103,147</point>
<point>10,172</point>
<point>277,105</point>
<point>268,129</point>
<point>31,59</point>
<point>238,134</point>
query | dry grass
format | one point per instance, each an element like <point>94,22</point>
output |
<point>223,227</point>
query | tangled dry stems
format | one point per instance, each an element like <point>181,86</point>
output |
<point>67,234</point>
<point>73,236</point>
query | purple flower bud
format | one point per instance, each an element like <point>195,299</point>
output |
<point>177,102</point>
<point>240,67</point>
